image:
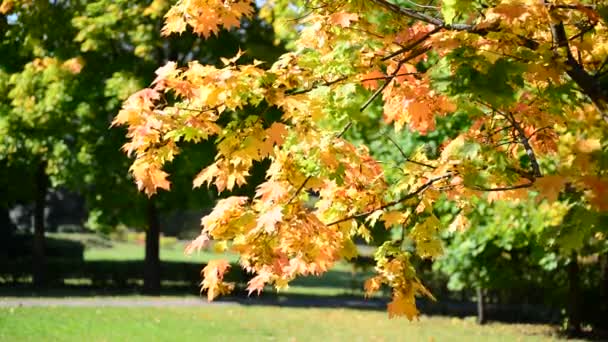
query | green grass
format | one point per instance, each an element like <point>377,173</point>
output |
<point>132,251</point>
<point>242,323</point>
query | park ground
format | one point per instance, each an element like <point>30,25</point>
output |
<point>315,309</point>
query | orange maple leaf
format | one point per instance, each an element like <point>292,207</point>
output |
<point>343,19</point>
<point>370,80</point>
<point>277,133</point>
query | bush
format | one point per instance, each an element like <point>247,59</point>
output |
<point>112,273</point>
<point>20,246</point>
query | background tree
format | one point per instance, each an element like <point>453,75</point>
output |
<point>69,66</point>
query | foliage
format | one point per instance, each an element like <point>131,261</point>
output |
<point>526,76</point>
<point>502,248</point>
<point>67,67</point>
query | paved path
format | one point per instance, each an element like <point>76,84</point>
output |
<point>101,302</point>
<point>190,301</point>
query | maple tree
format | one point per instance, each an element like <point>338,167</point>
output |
<point>528,77</point>
<point>67,67</point>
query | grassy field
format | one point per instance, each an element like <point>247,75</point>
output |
<point>245,323</point>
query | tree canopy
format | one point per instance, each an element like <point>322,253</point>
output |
<point>520,84</point>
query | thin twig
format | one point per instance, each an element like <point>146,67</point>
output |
<point>299,189</point>
<point>406,157</point>
<point>410,195</point>
<point>505,188</point>
<point>324,84</point>
<point>392,76</point>
<point>387,77</point>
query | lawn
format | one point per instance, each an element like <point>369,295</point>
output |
<point>244,323</point>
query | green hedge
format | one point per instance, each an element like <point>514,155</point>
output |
<point>20,246</point>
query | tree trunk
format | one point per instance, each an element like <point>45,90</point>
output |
<point>152,259</point>
<point>604,288</point>
<point>481,314</point>
<point>39,257</point>
<point>574,312</point>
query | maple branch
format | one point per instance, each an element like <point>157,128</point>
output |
<point>538,130</point>
<point>571,6</point>
<point>413,44</point>
<point>424,6</point>
<point>410,195</point>
<point>524,141</point>
<point>379,90</point>
<point>392,76</point>
<point>598,73</point>
<point>406,157</point>
<point>299,189</point>
<point>505,188</point>
<point>410,13</point>
<point>313,87</point>
<point>387,77</point>
<point>588,84</point>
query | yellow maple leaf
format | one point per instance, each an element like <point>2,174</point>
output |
<point>393,217</point>
<point>213,279</point>
<point>402,306</point>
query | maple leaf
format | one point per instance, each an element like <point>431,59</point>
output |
<point>268,220</point>
<point>201,242</point>
<point>343,19</point>
<point>370,79</point>
<point>277,133</point>
<point>550,186</point>
<point>169,70</point>
<point>213,282</point>
<point>206,176</point>
<point>393,217</point>
<point>257,283</point>
<point>372,285</point>
<point>402,306</point>
<point>6,6</point>
<point>174,23</point>
<point>271,191</point>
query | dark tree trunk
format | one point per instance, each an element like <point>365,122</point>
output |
<point>574,312</point>
<point>39,256</point>
<point>152,260</point>
<point>481,314</point>
<point>604,288</point>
